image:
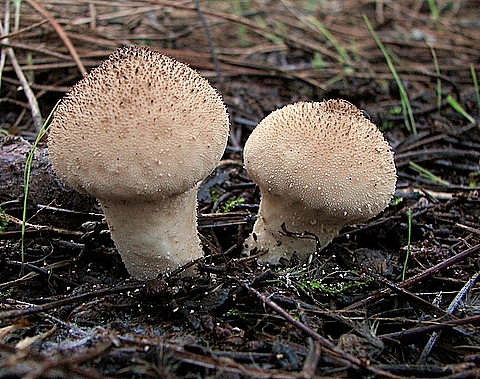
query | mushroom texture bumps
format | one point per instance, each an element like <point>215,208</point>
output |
<point>320,167</point>
<point>138,133</point>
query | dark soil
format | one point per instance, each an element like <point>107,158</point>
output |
<point>394,297</point>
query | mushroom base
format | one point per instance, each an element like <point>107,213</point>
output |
<point>268,235</point>
<point>155,237</point>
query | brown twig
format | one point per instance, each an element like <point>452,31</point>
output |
<point>29,94</point>
<point>323,341</point>
<point>73,52</point>
<point>417,278</point>
<point>422,330</point>
<point>210,39</point>
<point>34,273</point>
<point>212,359</point>
<point>409,295</point>
<point>451,308</point>
<point>13,314</point>
<point>311,361</point>
<point>403,159</point>
<point>42,271</point>
<point>43,364</point>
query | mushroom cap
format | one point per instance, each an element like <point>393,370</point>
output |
<point>141,125</point>
<point>326,156</point>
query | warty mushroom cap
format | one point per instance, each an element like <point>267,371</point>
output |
<point>320,166</point>
<point>141,125</point>
<point>138,133</point>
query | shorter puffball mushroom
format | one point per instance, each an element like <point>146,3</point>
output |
<point>138,133</point>
<point>320,166</point>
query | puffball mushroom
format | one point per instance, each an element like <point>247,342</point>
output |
<point>138,133</point>
<point>320,166</point>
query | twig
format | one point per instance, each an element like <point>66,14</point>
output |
<point>213,360</point>
<point>35,5</point>
<point>411,296</point>
<point>311,361</point>
<point>29,94</point>
<point>305,234</point>
<point>403,159</point>
<point>4,30</point>
<point>258,28</point>
<point>422,330</point>
<point>48,366</point>
<point>468,228</point>
<point>451,308</point>
<point>32,100</point>
<point>423,371</point>
<point>44,227</point>
<point>323,341</point>
<point>54,320</point>
<point>93,16</point>
<point>32,274</point>
<point>45,272</point>
<point>417,278</point>
<point>8,315</point>
<point>209,37</point>
<point>23,30</point>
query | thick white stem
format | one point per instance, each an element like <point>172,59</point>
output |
<point>267,231</point>
<point>155,237</point>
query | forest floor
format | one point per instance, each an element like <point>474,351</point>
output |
<point>394,297</point>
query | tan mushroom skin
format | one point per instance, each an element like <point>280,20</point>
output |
<point>320,166</point>
<point>138,133</point>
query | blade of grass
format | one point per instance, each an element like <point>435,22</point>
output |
<point>439,81</point>
<point>424,173</point>
<point>455,105</point>
<point>3,221</point>
<point>274,37</point>
<point>433,9</point>
<point>26,176</point>
<point>241,29</point>
<point>343,54</point>
<point>406,107</point>
<point>17,6</point>
<point>475,85</point>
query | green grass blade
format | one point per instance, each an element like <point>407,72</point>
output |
<point>455,105</point>
<point>475,85</point>
<point>424,173</point>
<point>439,81</point>
<point>274,38</point>
<point>406,107</point>
<point>3,221</point>
<point>433,9</point>
<point>17,4</point>
<point>343,54</point>
<point>26,175</point>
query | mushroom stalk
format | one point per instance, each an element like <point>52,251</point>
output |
<point>138,133</point>
<point>154,236</point>
<point>268,233</point>
<point>320,167</point>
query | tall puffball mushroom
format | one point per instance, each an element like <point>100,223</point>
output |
<point>138,133</point>
<point>320,167</point>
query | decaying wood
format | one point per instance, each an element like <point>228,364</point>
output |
<point>44,187</point>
